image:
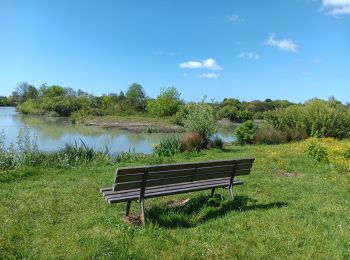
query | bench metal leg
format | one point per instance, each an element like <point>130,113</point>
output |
<point>142,211</point>
<point>230,189</point>
<point>128,205</point>
<point>212,192</point>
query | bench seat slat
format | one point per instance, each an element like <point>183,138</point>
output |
<point>165,181</point>
<point>169,186</point>
<point>163,190</point>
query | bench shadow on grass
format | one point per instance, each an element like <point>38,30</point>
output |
<point>201,209</point>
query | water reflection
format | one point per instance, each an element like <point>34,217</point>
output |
<point>54,133</point>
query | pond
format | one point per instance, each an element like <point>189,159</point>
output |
<point>54,132</point>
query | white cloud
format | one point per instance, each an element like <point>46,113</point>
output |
<point>336,7</point>
<point>249,56</point>
<point>235,19</point>
<point>283,44</point>
<point>316,61</point>
<point>210,75</point>
<point>208,64</point>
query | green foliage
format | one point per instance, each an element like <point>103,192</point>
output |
<point>245,132</point>
<point>7,154</point>
<point>201,119</point>
<point>6,102</point>
<point>229,112</point>
<point>28,152</point>
<point>135,97</point>
<point>168,146</point>
<point>216,142</point>
<point>316,118</point>
<point>316,151</point>
<point>347,154</point>
<point>268,135</point>
<point>166,104</point>
<point>238,111</point>
<point>73,154</point>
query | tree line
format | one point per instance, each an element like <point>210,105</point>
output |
<point>60,101</point>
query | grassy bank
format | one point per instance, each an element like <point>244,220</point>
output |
<point>291,206</point>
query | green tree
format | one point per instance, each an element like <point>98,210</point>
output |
<point>54,91</point>
<point>167,103</point>
<point>26,91</point>
<point>201,119</point>
<point>136,97</point>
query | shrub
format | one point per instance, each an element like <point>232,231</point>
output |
<point>269,135</point>
<point>191,141</point>
<point>7,154</point>
<point>347,154</point>
<point>316,151</point>
<point>167,103</point>
<point>316,118</point>
<point>245,132</point>
<point>294,135</point>
<point>74,154</point>
<point>217,142</point>
<point>201,119</point>
<point>28,151</point>
<point>168,146</point>
<point>229,112</point>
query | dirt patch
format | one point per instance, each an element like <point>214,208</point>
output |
<point>133,219</point>
<point>176,203</point>
<point>290,174</point>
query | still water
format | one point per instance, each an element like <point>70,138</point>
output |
<point>54,133</point>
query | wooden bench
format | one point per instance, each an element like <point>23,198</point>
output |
<point>140,183</point>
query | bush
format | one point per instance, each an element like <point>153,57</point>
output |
<point>201,119</point>
<point>269,135</point>
<point>316,118</point>
<point>74,154</point>
<point>166,104</point>
<point>191,141</point>
<point>168,146</point>
<point>316,151</point>
<point>28,151</point>
<point>244,133</point>
<point>347,154</point>
<point>7,154</point>
<point>294,135</point>
<point>217,142</point>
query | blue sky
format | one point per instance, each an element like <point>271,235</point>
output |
<point>291,49</point>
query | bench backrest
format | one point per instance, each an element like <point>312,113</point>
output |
<point>157,175</point>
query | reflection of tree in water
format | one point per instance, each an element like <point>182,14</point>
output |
<point>56,129</point>
<point>226,131</point>
<point>135,139</point>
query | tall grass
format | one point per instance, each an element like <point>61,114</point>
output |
<point>75,154</point>
<point>168,146</point>
<point>191,141</point>
<point>316,118</point>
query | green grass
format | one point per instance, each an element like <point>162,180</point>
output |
<point>59,213</point>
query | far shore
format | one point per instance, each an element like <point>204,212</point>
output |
<point>135,124</point>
